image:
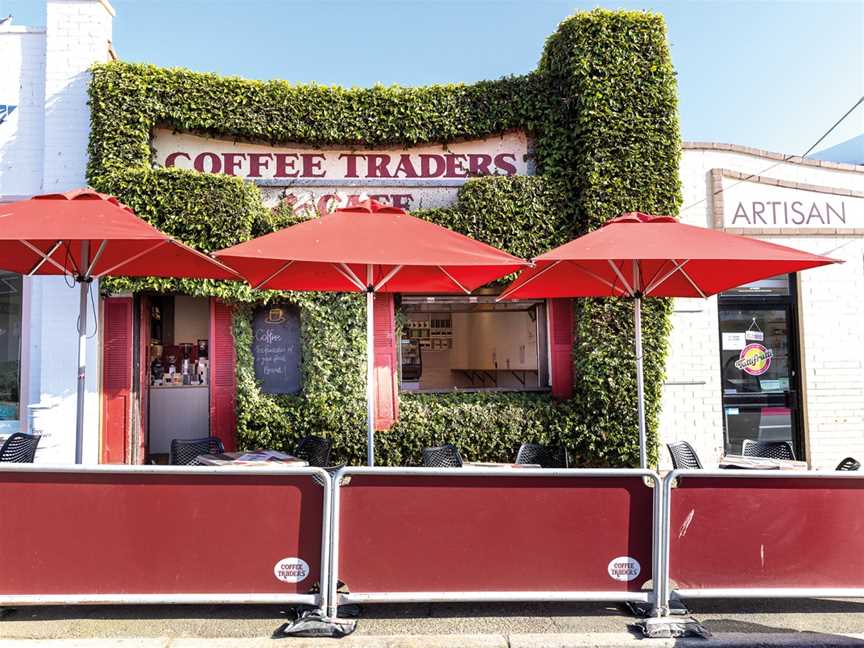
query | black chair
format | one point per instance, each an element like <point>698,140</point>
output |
<point>768,449</point>
<point>683,455</point>
<point>185,452</point>
<point>848,464</point>
<point>19,448</point>
<point>544,456</point>
<point>315,450</point>
<point>445,456</point>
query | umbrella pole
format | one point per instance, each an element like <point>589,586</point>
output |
<point>84,287</point>
<point>640,382</point>
<point>370,362</point>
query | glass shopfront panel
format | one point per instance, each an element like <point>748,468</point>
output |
<point>759,364</point>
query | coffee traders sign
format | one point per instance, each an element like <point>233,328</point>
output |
<point>319,180</point>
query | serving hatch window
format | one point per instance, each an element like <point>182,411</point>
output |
<point>472,343</point>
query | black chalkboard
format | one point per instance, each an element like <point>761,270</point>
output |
<point>276,348</point>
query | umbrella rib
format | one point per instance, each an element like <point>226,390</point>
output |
<point>692,283</point>
<point>273,276</point>
<point>650,282</point>
<point>209,258</point>
<point>346,271</point>
<point>620,276</point>
<point>96,257</point>
<point>527,281</point>
<point>596,276</point>
<point>45,257</point>
<point>133,258</point>
<point>450,277</point>
<point>387,278</point>
<point>676,266</point>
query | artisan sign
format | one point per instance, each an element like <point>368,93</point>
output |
<point>749,204</point>
<point>319,180</point>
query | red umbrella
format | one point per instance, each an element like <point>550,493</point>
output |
<point>87,235</point>
<point>637,255</point>
<point>369,248</point>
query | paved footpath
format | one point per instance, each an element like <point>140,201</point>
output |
<point>762,623</point>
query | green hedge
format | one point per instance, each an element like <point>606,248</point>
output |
<point>601,109</point>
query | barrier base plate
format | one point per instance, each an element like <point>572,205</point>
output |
<point>312,623</point>
<point>670,627</point>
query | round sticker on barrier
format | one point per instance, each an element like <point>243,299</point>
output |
<point>624,568</point>
<point>291,570</point>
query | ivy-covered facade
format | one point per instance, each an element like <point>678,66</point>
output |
<point>601,111</point>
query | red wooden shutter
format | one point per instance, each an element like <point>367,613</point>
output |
<point>386,377</point>
<point>116,378</point>
<point>223,381</point>
<point>561,346</point>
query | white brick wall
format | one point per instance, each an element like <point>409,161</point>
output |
<point>43,148</point>
<point>22,84</point>
<point>832,312</point>
<point>79,32</point>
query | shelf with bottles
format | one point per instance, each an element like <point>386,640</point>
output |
<point>437,326</point>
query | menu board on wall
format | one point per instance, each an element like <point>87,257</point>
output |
<point>276,348</point>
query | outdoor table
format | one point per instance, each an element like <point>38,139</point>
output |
<point>257,459</point>
<point>740,462</point>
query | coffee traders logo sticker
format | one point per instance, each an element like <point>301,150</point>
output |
<point>624,568</point>
<point>754,359</point>
<point>291,570</point>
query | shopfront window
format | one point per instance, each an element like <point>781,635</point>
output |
<point>10,346</point>
<point>472,344</point>
<point>759,364</point>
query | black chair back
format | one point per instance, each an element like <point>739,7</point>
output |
<point>544,456</point>
<point>315,450</point>
<point>768,449</point>
<point>445,456</point>
<point>185,452</point>
<point>849,464</point>
<point>683,455</point>
<point>19,448</point>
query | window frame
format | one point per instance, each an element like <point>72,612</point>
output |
<point>543,356</point>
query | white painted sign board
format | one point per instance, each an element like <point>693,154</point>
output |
<point>318,180</point>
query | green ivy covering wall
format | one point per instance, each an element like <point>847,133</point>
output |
<point>601,108</point>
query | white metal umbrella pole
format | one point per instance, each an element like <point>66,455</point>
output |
<point>640,382</point>
<point>370,372</point>
<point>84,283</point>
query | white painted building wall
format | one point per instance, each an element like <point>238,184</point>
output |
<point>831,304</point>
<point>43,148</point>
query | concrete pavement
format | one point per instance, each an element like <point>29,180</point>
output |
<point>546,640</point>
<point>825,622</point>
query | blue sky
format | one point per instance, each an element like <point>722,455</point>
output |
<point>769,74</point>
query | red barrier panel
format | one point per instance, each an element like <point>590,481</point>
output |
<point>132,532</point>
<point>493,534</point>
<point>771,532</point>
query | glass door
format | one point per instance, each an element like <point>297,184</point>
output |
<point>759,364</point>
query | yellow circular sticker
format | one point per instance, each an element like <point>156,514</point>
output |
<point>754,359</point>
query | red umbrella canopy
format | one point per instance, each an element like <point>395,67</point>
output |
<point>43,236</point>
<point>369,245</point>
<point>656,256</point>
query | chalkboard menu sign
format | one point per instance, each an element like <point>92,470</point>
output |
<point>276,348</point>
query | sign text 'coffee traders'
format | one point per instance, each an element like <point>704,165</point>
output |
<point>319,180</point>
